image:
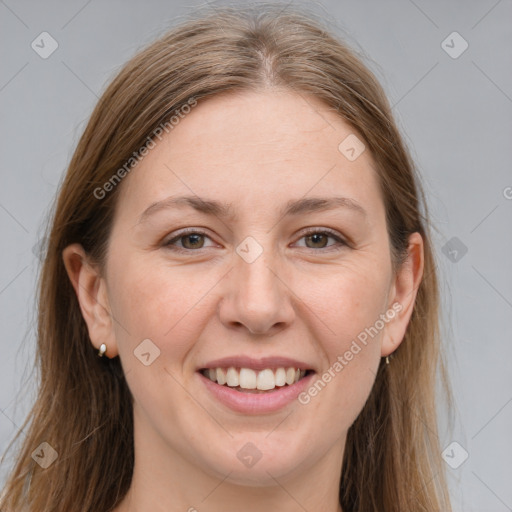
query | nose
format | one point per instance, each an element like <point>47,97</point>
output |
<point>256,298</point>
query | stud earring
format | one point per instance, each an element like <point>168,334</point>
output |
<point>389,357</point>
<point>102,350</point>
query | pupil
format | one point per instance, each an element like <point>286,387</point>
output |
<point>315,237</point>
<point>195,239</point>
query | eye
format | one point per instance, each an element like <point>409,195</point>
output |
<point>190,239</point>
<point>318,238</point>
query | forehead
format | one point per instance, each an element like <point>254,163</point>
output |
<point>256,149</point>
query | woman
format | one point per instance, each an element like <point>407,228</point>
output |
<point>239,303</point>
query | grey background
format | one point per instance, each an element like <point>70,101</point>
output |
<point>456,114</point>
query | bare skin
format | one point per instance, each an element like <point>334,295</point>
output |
<point>304,297</point>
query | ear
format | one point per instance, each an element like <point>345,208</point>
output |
<point>403,295</point>
<point>91,291</point>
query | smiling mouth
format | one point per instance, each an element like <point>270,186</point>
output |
<point>247,380</point>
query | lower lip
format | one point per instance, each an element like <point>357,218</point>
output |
<point>256,403</point>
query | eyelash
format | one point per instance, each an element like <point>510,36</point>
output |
<point>192,231</point>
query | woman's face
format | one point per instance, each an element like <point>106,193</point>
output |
<point>268,278</point>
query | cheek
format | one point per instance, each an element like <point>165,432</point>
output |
<point>150,305</point>
<point>159,306</point>
<point>348,303</point>
<point>154,301</point>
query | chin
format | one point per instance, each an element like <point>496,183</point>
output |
<point>247,465</point>
<point>260,475</point>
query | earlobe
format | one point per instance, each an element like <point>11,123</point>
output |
<point>90,290</point>
<point>403,295</point>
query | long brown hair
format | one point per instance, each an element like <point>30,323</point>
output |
<point>84,407</point>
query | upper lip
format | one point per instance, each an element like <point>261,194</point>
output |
<point>271,362</point>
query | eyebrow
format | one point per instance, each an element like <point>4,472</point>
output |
<point>221,210</point>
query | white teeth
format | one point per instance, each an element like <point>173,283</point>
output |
<point>266,380</point>
<point>221,376</point>
<point>232,379</point>
<point>280,377</point>
<point>290,376</point>
<point>246,378</point>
